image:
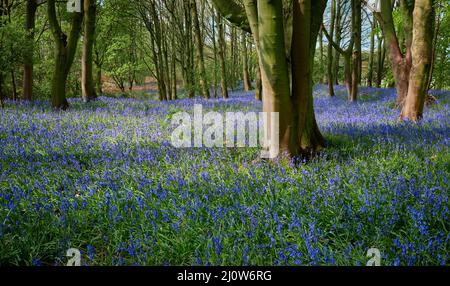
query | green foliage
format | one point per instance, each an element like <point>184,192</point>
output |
<point>13,44</point>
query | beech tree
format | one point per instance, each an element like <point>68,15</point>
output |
<point>65,48</point>
<point>421,59</point>
<point>87,79</point>
<point>411,54</point>
<point>298,130</point>
<point>401,61</point>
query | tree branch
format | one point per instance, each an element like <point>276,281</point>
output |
<point>233,12</point>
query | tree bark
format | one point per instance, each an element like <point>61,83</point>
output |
<point>337,40</point>
<point>356,54</point>
<point>422,43</point>
<point>298,130</point>
<point>258,91</point>
<point>305,134</point>
<point>245,72</point>
<point>371,53</point>
<point>14,85</point>
<point>87,78</point>
<point>65,48</point>
<point>2,104</point>
<point>223,68</point>
<point>330,50</point>
<point>99,80</point>
<point>348,56</point>
<point>380,61</point>
<point>401,63</point>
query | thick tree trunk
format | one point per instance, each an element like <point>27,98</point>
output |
<point>200,58</point>
<point>87,78</point>
<point>59,80</point>
<point>421,60</point>
<point>30,22</point>
<point>274,70</point>
<point>401,63</point>
<point>298,131</point>
<point>65,48</point>
<point>305,134</point>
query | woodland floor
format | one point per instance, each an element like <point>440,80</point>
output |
<point>105,179</point>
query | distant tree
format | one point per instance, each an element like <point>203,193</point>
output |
<point>199,48</point>
<point>30,24</point>
<point>350,75</point>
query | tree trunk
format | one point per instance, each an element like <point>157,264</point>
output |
<point>356,54</point>
<point>305,134</point>
<point>274,70</point>
<point>337,35</point>
<point>358,42</point>
<point>214,41</point>
<point>348,73</point>
<point>223,69</point>
<point>246,74</point>
<point>401,63</point>
<point>30,23</point>
<point>258,92</point>
<point>99,80</point>
<point>174,68</point>
<point>87,78</point>
<point>371,53</point>
<point>59,80</point>
<point>421,60</point>
<point>435,41</point>
<point>298,131</point>
<point>14,85</point>
<point>321,60</point>
<point>251,8</point>
<point>65,48</point>
<point>355,73</point>
<point>380,61</point>
<point>1,91</point>
<point>330,50</point>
